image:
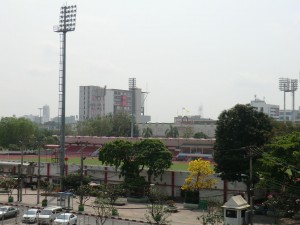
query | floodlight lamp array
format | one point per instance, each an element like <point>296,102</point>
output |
<point>294,84</point>
<point>132,83</point>
<point>284,84</point>
<point>288,85</point>
<point>67,19</point>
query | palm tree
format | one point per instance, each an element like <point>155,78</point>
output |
<point>172,132</point>
<point>147,132</point>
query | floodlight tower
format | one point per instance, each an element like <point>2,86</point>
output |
<point>289,85</point>
<point>132,87</point>
<point>67,21</point>
<point>284,86</point>
<point>294,87</point>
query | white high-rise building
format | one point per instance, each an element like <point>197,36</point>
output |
<point>46,114</point>
<point>95,101</point>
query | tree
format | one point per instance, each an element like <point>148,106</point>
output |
<point>237,129</point>
<point>188,132</point>
<point>147,132</point>
<point>74,180</point>
<point>172,132</point>
<point>83,192</point>
<point>156,211</point>
<point>102,207</point>
<point>13,130</point>
<point>199,177</point>
<point>154,155</point>
<point>279,167</point>
<point>132,158</point>
<point>199,135</point>
<point>213,215</point>
<point>118,125</point>
<point>8,184</point>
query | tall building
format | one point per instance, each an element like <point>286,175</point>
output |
<point>46,114</point>
<point>95,101</point>
<point>262,106</point>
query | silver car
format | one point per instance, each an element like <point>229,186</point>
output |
<point>66,219</point>
<point>8,211</point>
<point>31,216</point>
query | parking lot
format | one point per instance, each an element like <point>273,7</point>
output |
<point>129,214</point>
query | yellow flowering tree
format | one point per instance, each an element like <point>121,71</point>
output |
<point>199,178</point>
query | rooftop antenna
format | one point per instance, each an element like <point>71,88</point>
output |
<point>67,21</point>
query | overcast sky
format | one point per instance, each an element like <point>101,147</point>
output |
<point>205,56</point>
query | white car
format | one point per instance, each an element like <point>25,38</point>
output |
<point>31,216</point>
<point>65,219</point>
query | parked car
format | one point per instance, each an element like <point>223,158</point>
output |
<point>31,216</point>
<point>66,219</point>
<point>48,214</point>
<point>8,211</point>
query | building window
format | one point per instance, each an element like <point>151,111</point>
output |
<point>231,213</point>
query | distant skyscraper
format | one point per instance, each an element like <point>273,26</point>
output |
<point>46,114</point>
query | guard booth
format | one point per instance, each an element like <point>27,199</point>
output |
<point>235,211</point>
<point>65,200</point>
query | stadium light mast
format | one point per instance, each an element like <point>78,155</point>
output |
<point>284,86</point>
<point>67,22</point>
<point>132,87</point>
<point>288,85</point>
<point>294,87</point>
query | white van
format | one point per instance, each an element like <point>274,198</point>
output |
<point>48,214</point>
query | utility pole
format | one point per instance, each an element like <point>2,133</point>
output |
<point>251,186</point>
<point>39,142</point>
<point>81,162</point>
<point>251,151</point>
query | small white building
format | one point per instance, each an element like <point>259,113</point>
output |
<point>235,210</point>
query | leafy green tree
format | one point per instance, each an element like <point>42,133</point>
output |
<point>102,126</point>
<point>74,180</point>
<point>154,155</point>
<point>13,130</point>
<point>121,126</point>
<point>84,128</point>
<point>188,132</point>
<point>172,132</point>
<point>237,129</point>
<point>147,132</point>
<point>199,135</point>
<point>8,184</point>
<point>284,127</point>
<point>83,192</point>
<point>118,125</point>
<point>279,166</point>
<point>121,154</point>
<point>132,158</point>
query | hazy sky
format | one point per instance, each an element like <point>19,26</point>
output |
<point>207,55</point>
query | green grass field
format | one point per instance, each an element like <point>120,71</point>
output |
<point>91,161</point>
